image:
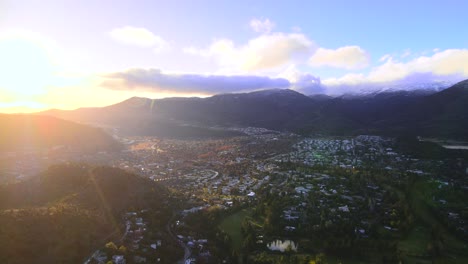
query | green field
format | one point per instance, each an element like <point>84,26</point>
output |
<point>414,247</point>
<point>232,226</point>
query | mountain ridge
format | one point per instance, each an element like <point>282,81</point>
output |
<point>388,113</point>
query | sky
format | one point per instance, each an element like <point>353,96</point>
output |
<point>69,54</point>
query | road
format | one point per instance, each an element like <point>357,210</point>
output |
<point>187,251</point>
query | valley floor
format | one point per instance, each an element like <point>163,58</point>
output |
<point>271,197</point>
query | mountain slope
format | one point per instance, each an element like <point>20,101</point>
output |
<point>443,114</point>
<point>274,109</point>
<point>447,112</point>
<point>80,185</point>
<point>34,132</point>
<point>186,117</point>
<point>381,113</point>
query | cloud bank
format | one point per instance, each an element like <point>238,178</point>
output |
<point>155,80</point>
<point>443,66</point>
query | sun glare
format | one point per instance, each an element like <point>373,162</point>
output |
<point>26,66</point>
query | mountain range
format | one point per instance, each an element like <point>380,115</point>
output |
<point>428,113</point>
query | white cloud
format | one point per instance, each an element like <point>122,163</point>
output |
<point>451,64</point>
<point>302,82</point>
<point>140,37</point>
<point>348,57</point>
<point>447,62</point>
<point>262,26</point>
<point>347,79</point>
<point>296,29</point>
<point>406,53</point>
<point>385,57</point>
<point>196,52</point>
<point>266,51</point>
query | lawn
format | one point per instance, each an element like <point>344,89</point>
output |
<point>416,242</point>
<point>232,226</point>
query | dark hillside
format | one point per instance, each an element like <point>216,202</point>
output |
<point>68,211</point>
<point>35,132</point>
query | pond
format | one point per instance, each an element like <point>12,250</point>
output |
<point>455,147</point>
<point>280,245</point>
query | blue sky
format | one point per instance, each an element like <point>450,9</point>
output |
<point>100,52</point>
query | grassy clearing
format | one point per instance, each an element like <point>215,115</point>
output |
<point>414,246</point>
<point>419,204</point>
<point>232,226</point>
<point>416,242</point>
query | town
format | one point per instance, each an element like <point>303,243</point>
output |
<point>273,192</point>
<point>273,197</point>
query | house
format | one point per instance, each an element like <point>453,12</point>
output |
<point>344,209</point>
<point>138,259</point>
<point>301,190</point>
<point>118,259</point>
<point>139,221</point>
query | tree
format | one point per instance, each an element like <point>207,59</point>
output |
<point>249,243</point>
<point>123,249</point>
<point>111,245</point>
<point>320,258</point>
<point>110,249</point>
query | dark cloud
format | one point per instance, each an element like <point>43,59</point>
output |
<point>157,81</point>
